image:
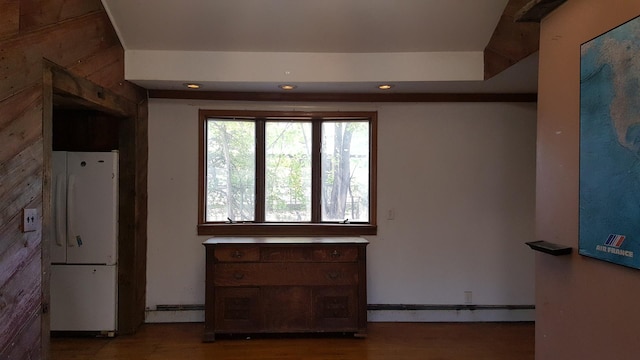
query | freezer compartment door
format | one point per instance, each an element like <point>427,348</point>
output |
<point>92,207</point>
<point>59,228</point>
<point>83,298</point>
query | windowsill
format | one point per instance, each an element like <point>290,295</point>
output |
<point>251,229</point>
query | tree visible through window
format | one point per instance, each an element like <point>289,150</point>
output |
<point>287,169</point>
<point>230,170</point>
<point>345,170</point>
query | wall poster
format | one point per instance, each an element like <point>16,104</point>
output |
<point>609,220</point>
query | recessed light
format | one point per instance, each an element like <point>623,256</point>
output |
<point>192,85</point>
<point>385,86</point>
<point>287,87</point>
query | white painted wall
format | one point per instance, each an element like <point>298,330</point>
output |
<point>460,178</point>
<point>141,65</point>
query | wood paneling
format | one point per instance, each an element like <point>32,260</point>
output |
<point>83,130</point>
<point>14,240</point>
<point>12,108</point>
<point>107,69</point>
<point>21,184</point>
<point>23,348</point>
<point>15,249</point>
<point>65,45</point>
<point>20,295</point>
<point>9,17</point>
<point>75,35</point>
<point>20,122</point>
<point>35,14</point>
<point>28,187</point>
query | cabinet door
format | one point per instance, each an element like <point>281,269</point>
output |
<point>286,308</point>
<point>335,308</point>
<point>237,309</point>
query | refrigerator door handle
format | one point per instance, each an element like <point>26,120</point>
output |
<point>60,210</point>
<point>71,230</point>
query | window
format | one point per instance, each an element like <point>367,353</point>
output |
<point>287,173</point>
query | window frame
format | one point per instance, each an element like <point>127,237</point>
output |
<point>313,228</point>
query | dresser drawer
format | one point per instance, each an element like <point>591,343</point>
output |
<point>237,253</point>
<point>285,274</point>
<point>335,254</point>
<point>285,253</point>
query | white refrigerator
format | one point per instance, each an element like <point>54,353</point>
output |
<point>84,247</point>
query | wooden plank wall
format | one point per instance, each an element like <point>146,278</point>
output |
<point>77,35</point>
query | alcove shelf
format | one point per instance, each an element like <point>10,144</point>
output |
<point>549,248</point>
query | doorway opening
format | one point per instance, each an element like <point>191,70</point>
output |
<point>79,115</point>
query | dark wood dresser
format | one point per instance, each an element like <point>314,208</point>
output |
<point>285,285</point>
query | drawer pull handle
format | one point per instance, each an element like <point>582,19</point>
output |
<point>333,275</point>
<point>335,254</point>
<point>236,254</point>
<point>238,276</point>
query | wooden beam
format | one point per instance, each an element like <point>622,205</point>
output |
<point>96,97</point>
<point>141,211</point>
<point>536,10</point>
<point>47,211</point>
<point>511,41</point>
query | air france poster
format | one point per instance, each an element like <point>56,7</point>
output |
<point>609,214</point>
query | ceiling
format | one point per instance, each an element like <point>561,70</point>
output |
<point>170,43</point>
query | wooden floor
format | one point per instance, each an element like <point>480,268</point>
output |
<point>385,341</point>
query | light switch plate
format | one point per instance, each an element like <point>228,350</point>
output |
<point>30,220</point>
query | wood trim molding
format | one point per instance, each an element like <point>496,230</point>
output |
<point>47,211</point>
<point>274,229</point>
<point>347,97</point>
<point>313,228</point>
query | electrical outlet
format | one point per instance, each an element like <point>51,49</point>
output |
<point>468,297</point>
<point>391,214</point>
<point>30,220</point>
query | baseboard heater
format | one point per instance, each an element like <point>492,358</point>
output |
<point>379,313</point>
<point>383,307</point>
<point>462,307</point>
<point>188,307</point>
